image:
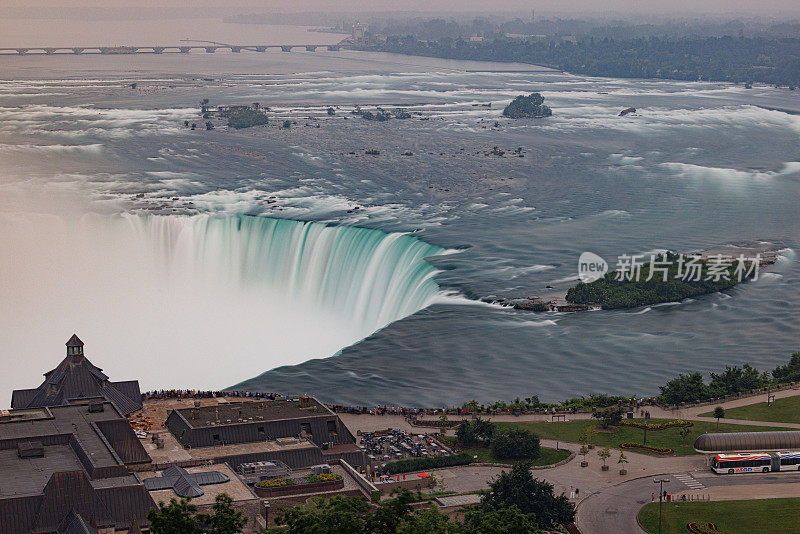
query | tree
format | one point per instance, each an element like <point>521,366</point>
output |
<point>719,413</point>
<point>337,515</point>
<point>735,380</point>
<point>287,124</point>
<point>256,105</point>
<point>516,444</point>
<point>225,519</point>
<point>471,406</point>
<point>428,521</point>
<point>531,496</point>
<point>622,461</point>
<point>477,431</point>
<point>684,388</point>
<point>584,451</point>
<point>331,112</point>
<point>501,521</point>
<point>608,418</point>
<point>684,432</point>
<point>391,513</point>
<point>204,105</point>
<point>789,372</point>
<point>604,455</point>
<point>586,435</point>
<point>177,517</point>
<point>209,126</point>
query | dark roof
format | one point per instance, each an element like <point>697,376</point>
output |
<point>184,483</point>
<point>123,440</point>
<point>748,441</point>
<point>74,341</point>
<point>71,471</point>
<point>72,438</point>
<point>65,493</point>
<point>71,493</point>
<point>74,523</point>
<point>77,378</point>
<point>248,412</point>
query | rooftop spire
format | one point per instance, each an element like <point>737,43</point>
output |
<point>75,347</point>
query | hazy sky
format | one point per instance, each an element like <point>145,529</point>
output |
<point>574,7</point>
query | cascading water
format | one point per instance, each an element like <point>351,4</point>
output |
<point>370,277</point>
<point>202,301</point>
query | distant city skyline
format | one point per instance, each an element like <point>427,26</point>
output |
<point>576,8</point>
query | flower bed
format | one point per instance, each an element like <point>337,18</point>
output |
<point>276,483</point>
<point>658,426</point>
<point>658,450</point>
<point>703,527</point>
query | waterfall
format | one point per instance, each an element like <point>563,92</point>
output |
<point>369,277</point>
<point>201,301</point>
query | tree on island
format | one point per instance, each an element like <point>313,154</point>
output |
<point>526,107</point>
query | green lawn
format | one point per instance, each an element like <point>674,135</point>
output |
<point>731,517</point>
<point>484,454</point>
<point>786,410</point>
<point>571,430</point>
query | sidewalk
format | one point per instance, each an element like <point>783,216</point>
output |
<point>744,492</point>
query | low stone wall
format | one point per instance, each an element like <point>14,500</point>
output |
<point>413,484</point>
<point>366,486</point>
<point>296,489</point>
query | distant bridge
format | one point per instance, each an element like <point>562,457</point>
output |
<point>179,49</point>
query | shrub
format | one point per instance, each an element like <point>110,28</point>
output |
<point>245,118</point>
<point>531,106</point>
<point>516,444</point>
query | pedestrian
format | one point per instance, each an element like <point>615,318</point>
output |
<point>571,492</point>
<point>576,493</point>
<point>653,496</point>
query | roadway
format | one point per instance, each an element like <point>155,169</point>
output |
<point>614,508</point>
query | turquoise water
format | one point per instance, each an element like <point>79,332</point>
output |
<point>271,250</point>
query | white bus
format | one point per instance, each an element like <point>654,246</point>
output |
<point>756,462</point>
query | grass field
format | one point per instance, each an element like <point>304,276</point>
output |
<point>571,430</point>
<point>484,454</point>
<point>786,410</point>
<point>731,517</point>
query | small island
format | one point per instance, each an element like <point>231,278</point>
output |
<point>243,116</point>
<point>672,279</point>
<point>527,107</point>
<point>675,277</point>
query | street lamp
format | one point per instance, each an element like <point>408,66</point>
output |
<point>660,482</point>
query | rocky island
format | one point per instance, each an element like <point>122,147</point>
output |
<point>527,107</point>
